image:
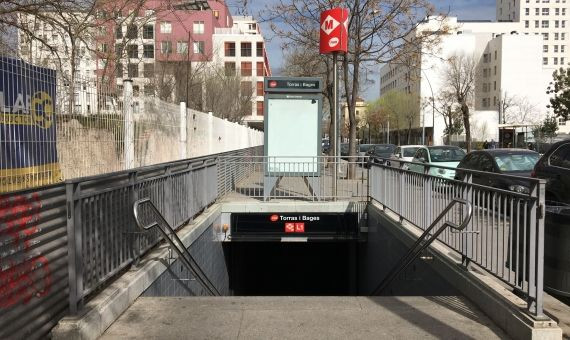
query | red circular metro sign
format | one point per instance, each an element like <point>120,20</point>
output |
<point>334,31</point>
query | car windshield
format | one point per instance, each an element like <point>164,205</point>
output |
<point>383,149</point>
<point>516,162</point>
<point>446,154</point>
<point>409,152</point>
<point>365,147</point>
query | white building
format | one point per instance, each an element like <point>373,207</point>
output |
<point>58,56</point>
<point>242,48</point>
<point>548,18</point>
<point>509,66</point>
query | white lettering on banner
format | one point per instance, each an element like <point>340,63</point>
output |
<point>20,104</point>
<point>300,218</point>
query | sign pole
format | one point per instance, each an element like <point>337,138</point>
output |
<point>336,144</point>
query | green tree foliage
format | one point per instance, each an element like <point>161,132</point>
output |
<point>560,90</point>
<point>546,130</point>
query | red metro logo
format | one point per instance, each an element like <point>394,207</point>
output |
<point>274,218</point>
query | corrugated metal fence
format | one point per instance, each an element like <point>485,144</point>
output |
<point>61,243</point>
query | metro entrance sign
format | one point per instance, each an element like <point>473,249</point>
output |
<point>334,31</point>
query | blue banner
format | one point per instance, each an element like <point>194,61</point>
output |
<point>28,148</point>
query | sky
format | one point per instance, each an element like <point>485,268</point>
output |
<point>463,9</point>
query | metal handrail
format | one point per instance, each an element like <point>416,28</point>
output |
<point>170,235</point>
<point>422,243</point>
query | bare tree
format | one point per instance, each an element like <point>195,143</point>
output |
<point>460,74</point>
<point>379,32</point>
<point>446,106</point>
<point>237,99</point>
<point>521,111</point>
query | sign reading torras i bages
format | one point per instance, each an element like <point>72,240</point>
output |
<point>334,31</point>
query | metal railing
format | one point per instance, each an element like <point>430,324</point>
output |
<point>424,241</point>
<point>299,178</point>
<point>505,236</point>
<point>148,218</point>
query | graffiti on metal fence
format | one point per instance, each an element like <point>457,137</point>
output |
<point>24,272</point>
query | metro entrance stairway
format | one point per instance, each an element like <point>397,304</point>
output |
<point>447,317</point>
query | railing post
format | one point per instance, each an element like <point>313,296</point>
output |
<point>75,246</point>
<point>183,131</point>
<point>401,212</point>
<point>536,249</point>
<point>427,197</point>
<point>466,246</point>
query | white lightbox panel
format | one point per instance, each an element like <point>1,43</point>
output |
<point>292,136</point>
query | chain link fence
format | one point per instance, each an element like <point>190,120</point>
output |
<point>52,129</point>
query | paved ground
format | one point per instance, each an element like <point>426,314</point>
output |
<point>303,318</point>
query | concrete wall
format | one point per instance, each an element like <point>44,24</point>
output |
<point>382,251</point>
<point>178,281</point>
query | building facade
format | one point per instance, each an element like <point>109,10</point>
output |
<point>241,49</point>
<point>164,47</point>
<point>503,95</point>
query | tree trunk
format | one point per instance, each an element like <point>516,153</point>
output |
<point>467,125</point>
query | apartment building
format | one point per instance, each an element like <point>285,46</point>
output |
<point>241,49</point>
<point>510,68</point>
<point>162,47</point>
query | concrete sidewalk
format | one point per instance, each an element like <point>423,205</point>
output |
<point>446,317</point>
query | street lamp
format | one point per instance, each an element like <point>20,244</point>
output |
<point>432,113</point>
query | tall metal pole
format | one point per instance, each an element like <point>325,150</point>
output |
<point>336,146</point>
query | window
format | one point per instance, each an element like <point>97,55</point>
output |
<point>119,32</point>
<point>251,27</point>
<point>537,11</point>
<point>526,11</point>
<point>166,47</point>
<point>562,48</point>
<point>545,48</point>
<point>561,157</point>
<point>259,49</point>
<point>245,69</point>
<point>495,70</point>
<point>216,14</point>
<point>245,49</point>
<point>149,90</point>
<point>119,50</point>
<point>563,23</point>
<point>148,51</point>
<point>131,31</point>
<point>198,47</point>
<point>544,61</point>
<point>148,70</point>
<point>526,24</point>
<point>561,61</point>
<point>259,69</point>
<point>555,61</point>
<point>132,51</point>
<point>103,48</point>
<point>563,11</point>
<point>555,36</point>
<point>259,88</point>
<point>165,27</point>
<point>260,108</point>
<point>556,23</point>
<point>545,11</point>
<point>245,88</point>
<point>494,86</point>
<point>562,36</point>
<point>555,48</point>
<point>536,24</point>
<point>544,23</point>
<point>230,49</point>
<point>133,70</point>
<point>545,36</point>
<point>182,47</point>
<point>148,32</point>
<point>198,27</point>
<point>119,70</point>
<point>557,11</point>
<point>230,68</point>
<point>495,55</point>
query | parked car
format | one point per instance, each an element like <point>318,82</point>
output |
<point>380,152</point>
<point>363,151</point>
<point>445,156</point>
<point>516,162</point>
<point>404,153</point>
<point>344,150</point>
<point>554,166</point>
